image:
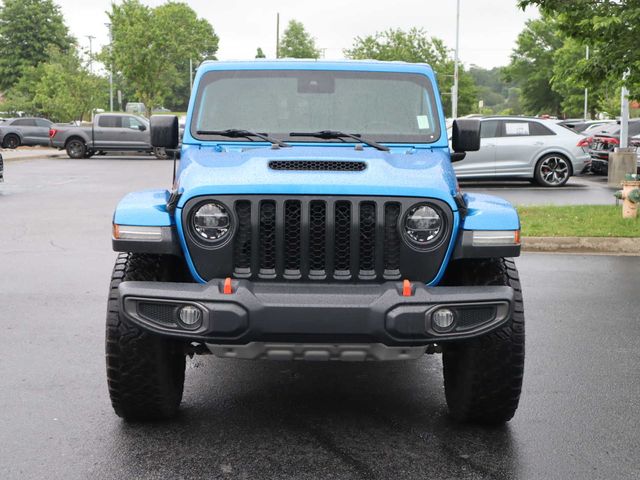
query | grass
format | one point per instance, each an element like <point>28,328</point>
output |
<point>577,221</point>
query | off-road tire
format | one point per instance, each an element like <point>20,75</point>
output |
<point>483,376</point>
<point>11,141</point>
<point>145,372</point>
<point>76,148</point>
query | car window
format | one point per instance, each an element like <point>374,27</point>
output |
<point>536,128</point>
<point>131,122</point>
<point>24,122</point>
<point>41,122</point>
<point>490,129</point>
<point>110,121</point>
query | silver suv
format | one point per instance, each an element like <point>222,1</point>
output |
<point>529,148</point>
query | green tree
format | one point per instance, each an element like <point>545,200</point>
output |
<point>416,46</point>
<point>532,63</point>
<point>61,89</point>
<point>151,49</point>
<point>260,53</point>
<point>28,28</point>
<point>297,43</point>
<point>610,27</point>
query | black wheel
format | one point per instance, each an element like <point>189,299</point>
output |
<point>483,376</point>
<point>552,170</point>
<point>160,153</point>
<point>145,372</point>
<point>11,141</point>
<point>76,148</point>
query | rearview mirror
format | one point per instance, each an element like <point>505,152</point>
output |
<point>165,131</point>
<point>466,135</point>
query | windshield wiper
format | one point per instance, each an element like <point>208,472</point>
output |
<point>328,134</point>
<point>238,133</point>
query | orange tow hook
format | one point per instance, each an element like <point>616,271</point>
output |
<point>227,289</point>
<point>406,288</point>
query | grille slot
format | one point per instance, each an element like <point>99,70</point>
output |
<point>317,240</point>
<point>367,239</point>
<point>292,220</point>
<point>242,241</point>
<point>268,239</point>
<point>317,165</point>
<point>392,241</point>
<point>343,239</point>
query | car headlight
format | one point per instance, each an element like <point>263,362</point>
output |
<point>423,225</point>
<point>211,222</point>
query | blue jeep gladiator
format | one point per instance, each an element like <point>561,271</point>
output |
<point>315,215</point>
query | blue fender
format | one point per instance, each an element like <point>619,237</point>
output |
<point>147,208</point>
<point>486,212</point>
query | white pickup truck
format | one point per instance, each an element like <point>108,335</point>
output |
<point>109,132</point>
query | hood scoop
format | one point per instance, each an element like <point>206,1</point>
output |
<point>318,165</point>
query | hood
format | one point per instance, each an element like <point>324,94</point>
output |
<point>405,172</point>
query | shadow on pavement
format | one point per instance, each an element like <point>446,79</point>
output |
<point>295,420</point>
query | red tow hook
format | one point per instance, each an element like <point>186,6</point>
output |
<point>407,291</point>
<point>227,288</point>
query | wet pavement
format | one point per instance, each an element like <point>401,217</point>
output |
<point>578,418</point>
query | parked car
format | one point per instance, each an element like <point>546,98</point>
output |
<point>530,148</point>
<point>582,126</point>
<point>109,132</point>
<point>284,238</point>
<point>27,131</point>
<point>605,141</point>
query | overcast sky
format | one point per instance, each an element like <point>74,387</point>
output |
<point>488,27</point>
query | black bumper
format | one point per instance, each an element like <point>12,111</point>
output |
<point>314,313</point>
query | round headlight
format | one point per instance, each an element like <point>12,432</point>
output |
<point>423,224</point>
<point>211,221</point>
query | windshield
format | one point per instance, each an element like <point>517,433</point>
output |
<point>384,107</point>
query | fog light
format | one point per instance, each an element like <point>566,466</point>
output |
<point>190,316</point>
<point>443,319</point>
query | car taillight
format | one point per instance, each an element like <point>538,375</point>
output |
<point>52,132</point>
<point>585,142</point>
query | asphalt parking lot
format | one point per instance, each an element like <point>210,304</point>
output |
<point>254,420</point>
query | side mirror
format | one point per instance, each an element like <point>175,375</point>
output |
<point>465,137</point>
<point>142,128</point>
<point>164,131</point>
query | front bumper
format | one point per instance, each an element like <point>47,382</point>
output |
<point>304,313</point>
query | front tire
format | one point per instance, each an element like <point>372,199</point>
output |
<point>552,170</point>
<point>76,149</point>
<point>11,141</point>
<point>145,372</point>
<point>483,376</point>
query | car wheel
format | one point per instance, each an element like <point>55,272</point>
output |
<point>483,376</point>
<point>553,170</point>
<point>160,153</point>
<point>145,372</point>
<point>76,149</point>
<point>11,141</point>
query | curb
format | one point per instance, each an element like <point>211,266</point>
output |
<point>585,245</point>
<point>11,155</point>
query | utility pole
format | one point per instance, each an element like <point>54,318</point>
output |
<point>91,38</point>
<point>278,35</point>
<point>586,95</point>
<point>624,113</point>
<point>190,75</point>
<point>108,25</point>
<point>454,92</point>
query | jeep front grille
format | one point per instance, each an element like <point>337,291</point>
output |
<point>308,238</point>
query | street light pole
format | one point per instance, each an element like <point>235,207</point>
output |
<point>278,35</point>
<point>91,38</point>
<point>454,96</point>
<point>586,94</point>
<point>624,113</point>
<point>108,25</point>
